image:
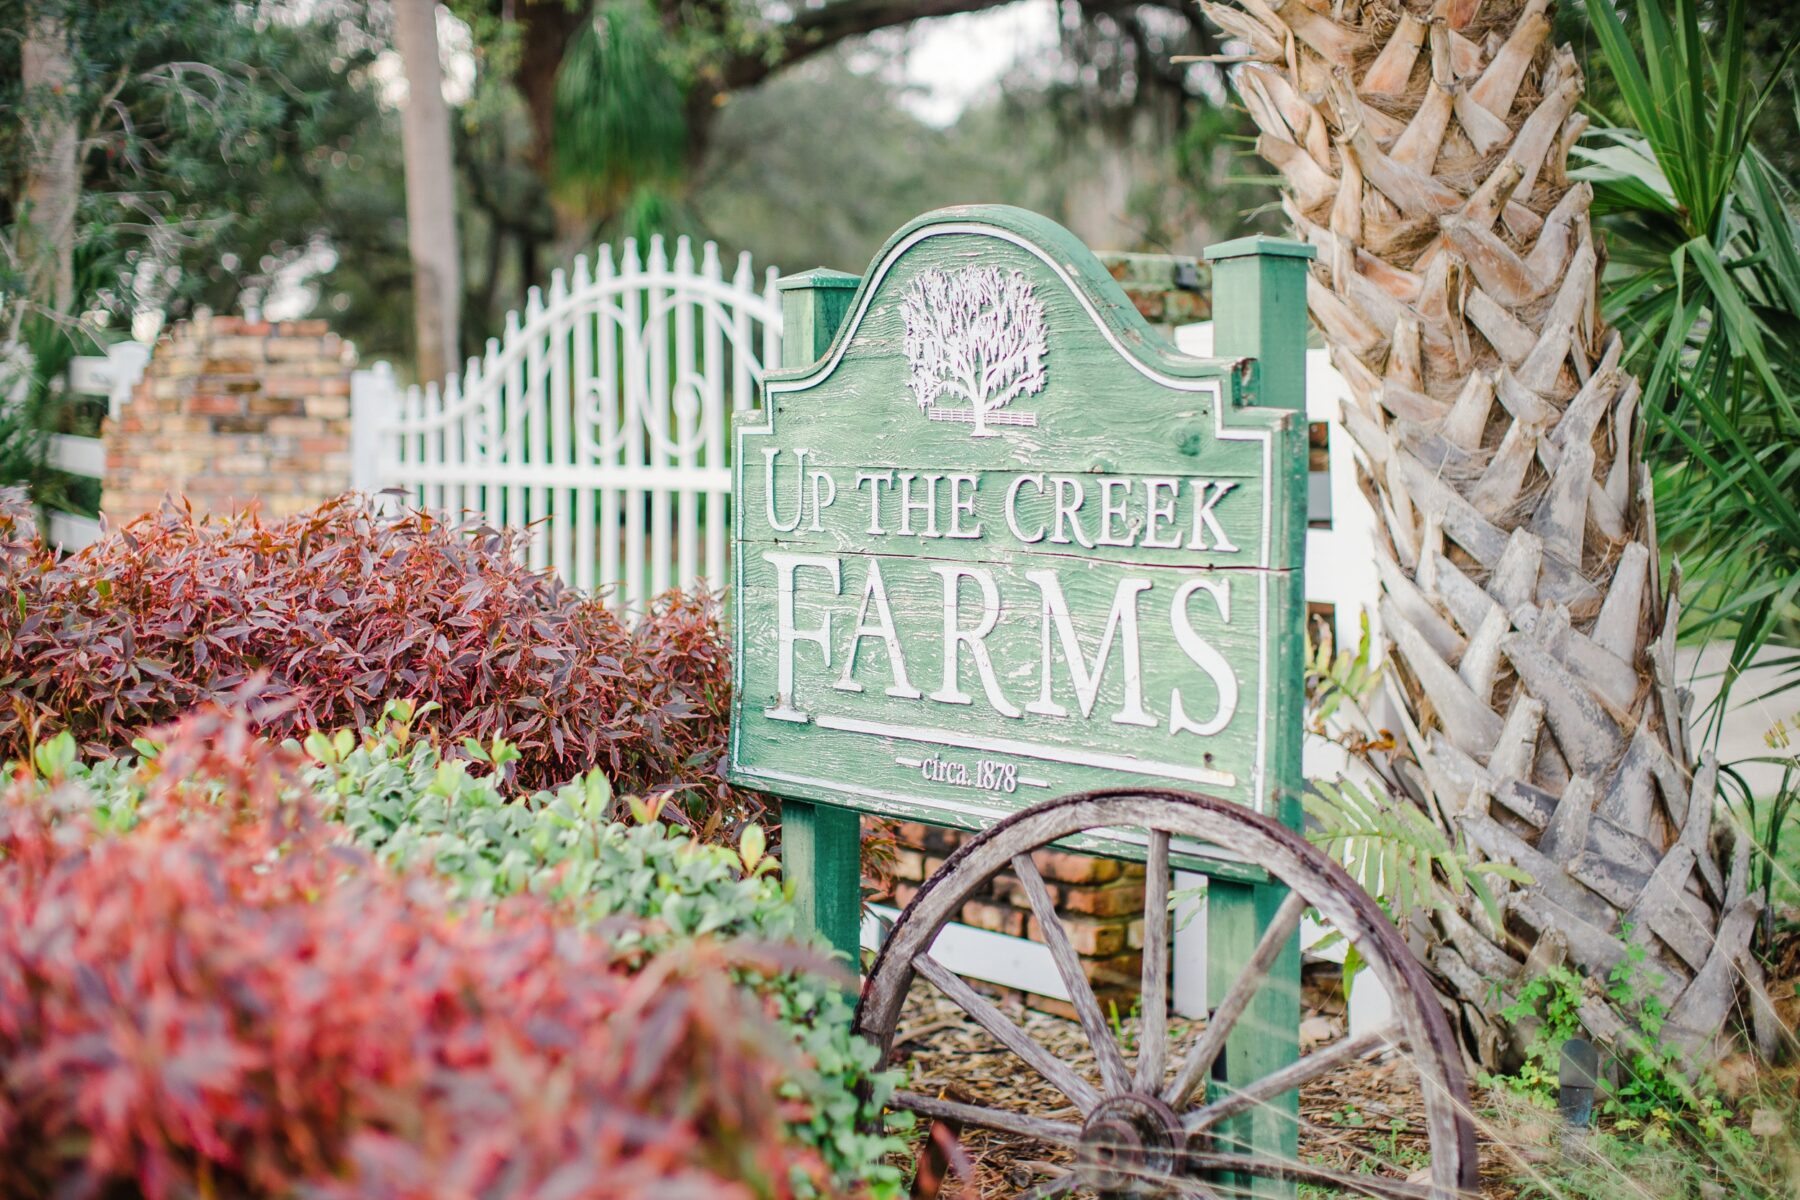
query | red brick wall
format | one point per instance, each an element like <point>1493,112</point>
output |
<point>232,412</point>
<point>1166,289</point>
<point>1100,901</point>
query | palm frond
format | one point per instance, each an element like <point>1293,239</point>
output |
<point>1705,284</point>
<point>619,111</point>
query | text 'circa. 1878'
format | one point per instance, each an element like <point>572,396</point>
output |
<point>1003,543</point>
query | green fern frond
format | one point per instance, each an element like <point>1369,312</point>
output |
<point>1334,677</point>
<point>1393,850</point>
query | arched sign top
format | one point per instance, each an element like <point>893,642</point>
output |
<point>1001,541</point>
<point>1060,252</point>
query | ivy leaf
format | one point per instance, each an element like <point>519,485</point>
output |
<point>751,846</point>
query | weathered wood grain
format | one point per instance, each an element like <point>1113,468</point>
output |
<point>1068,965</point>
<point>1154,994</point>
<point>990,1018</point>
<point>1320,1062</point>
<point>1199,1059</point>
<point>1056,1132</point>
<point>1123,498</point>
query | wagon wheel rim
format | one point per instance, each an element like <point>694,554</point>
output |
<point>1143,1126</point>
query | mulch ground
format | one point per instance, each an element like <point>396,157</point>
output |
<point>1366,1118</point>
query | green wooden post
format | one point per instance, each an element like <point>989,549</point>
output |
<point>1259,312</point>
<point>821,845</point>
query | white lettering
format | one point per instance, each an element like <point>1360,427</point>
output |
<point>1066,510</point>
<point>878,478</point>
<point>1205,656</point>
<point>1012,503</point>
<point>1110,511</point>
<point>1204,518</point>
<point>959,506</point>
<point>1160,514</point>
<point>909,506</point>
<point>819,506</point>
<point>785,632</point>
<point>875,593</point>
<point>1121,622</point>
<point>769,457</point>
<point>955,638</point>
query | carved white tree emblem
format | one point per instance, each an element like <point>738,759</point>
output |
<point>977,333</point>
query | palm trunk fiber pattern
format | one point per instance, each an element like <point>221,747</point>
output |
<point>1425,148</point>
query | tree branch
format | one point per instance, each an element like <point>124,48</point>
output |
<point>816,29</point>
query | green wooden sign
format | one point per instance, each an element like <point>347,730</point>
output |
<point>999,542</point>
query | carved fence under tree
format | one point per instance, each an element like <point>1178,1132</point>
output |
<point>600,421</point>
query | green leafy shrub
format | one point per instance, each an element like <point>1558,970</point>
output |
<point>650,888</point>
<point>341,610</point>
<point>400,799</point>
<point>1652,1095</point>
<point>205,992</point>
<point>1703,280</point>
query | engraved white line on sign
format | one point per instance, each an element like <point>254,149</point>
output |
<point>906,808</point>
<point>1078,758</point>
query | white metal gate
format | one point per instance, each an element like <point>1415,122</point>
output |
<point>600,421</point>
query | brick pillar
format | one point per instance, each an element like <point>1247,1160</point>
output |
<point>1168,289</point>
<point>232,413</point>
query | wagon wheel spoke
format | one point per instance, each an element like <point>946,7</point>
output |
<point>1045,1130</point>
<point>1321,1062</point>
<point>1154,1006</point>
<point>990,1018</point>
<point>1152,1119</point>
<point>1200,1056</point>
<point>1113,1072</point>
<point>1195,1190</point>
<point>1378,1186</point>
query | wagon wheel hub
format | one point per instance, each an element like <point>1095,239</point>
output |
<point>1129,1146</point>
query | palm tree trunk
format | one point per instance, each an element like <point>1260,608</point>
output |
<point>430,192</point>
<point>1424,148</point>
<point>46,238</point>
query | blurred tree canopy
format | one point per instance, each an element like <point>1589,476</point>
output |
<point>1771,27</point>
<point>221,144</point>
<point>592,71</point>
<point>219,148</point>
<point>246,154</point>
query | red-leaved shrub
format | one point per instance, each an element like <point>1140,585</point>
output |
<point>222,1003</point>
<point>343,610</point>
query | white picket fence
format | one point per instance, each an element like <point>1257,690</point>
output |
<point>600,422</point>
<point>112,375</point>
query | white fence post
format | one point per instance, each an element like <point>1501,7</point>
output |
<point>112,375</point>
<point>126,362</point>
<point>372,403</point>
<point>1340,572</point>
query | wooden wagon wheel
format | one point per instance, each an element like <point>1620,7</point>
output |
<point>1144,1127</point>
